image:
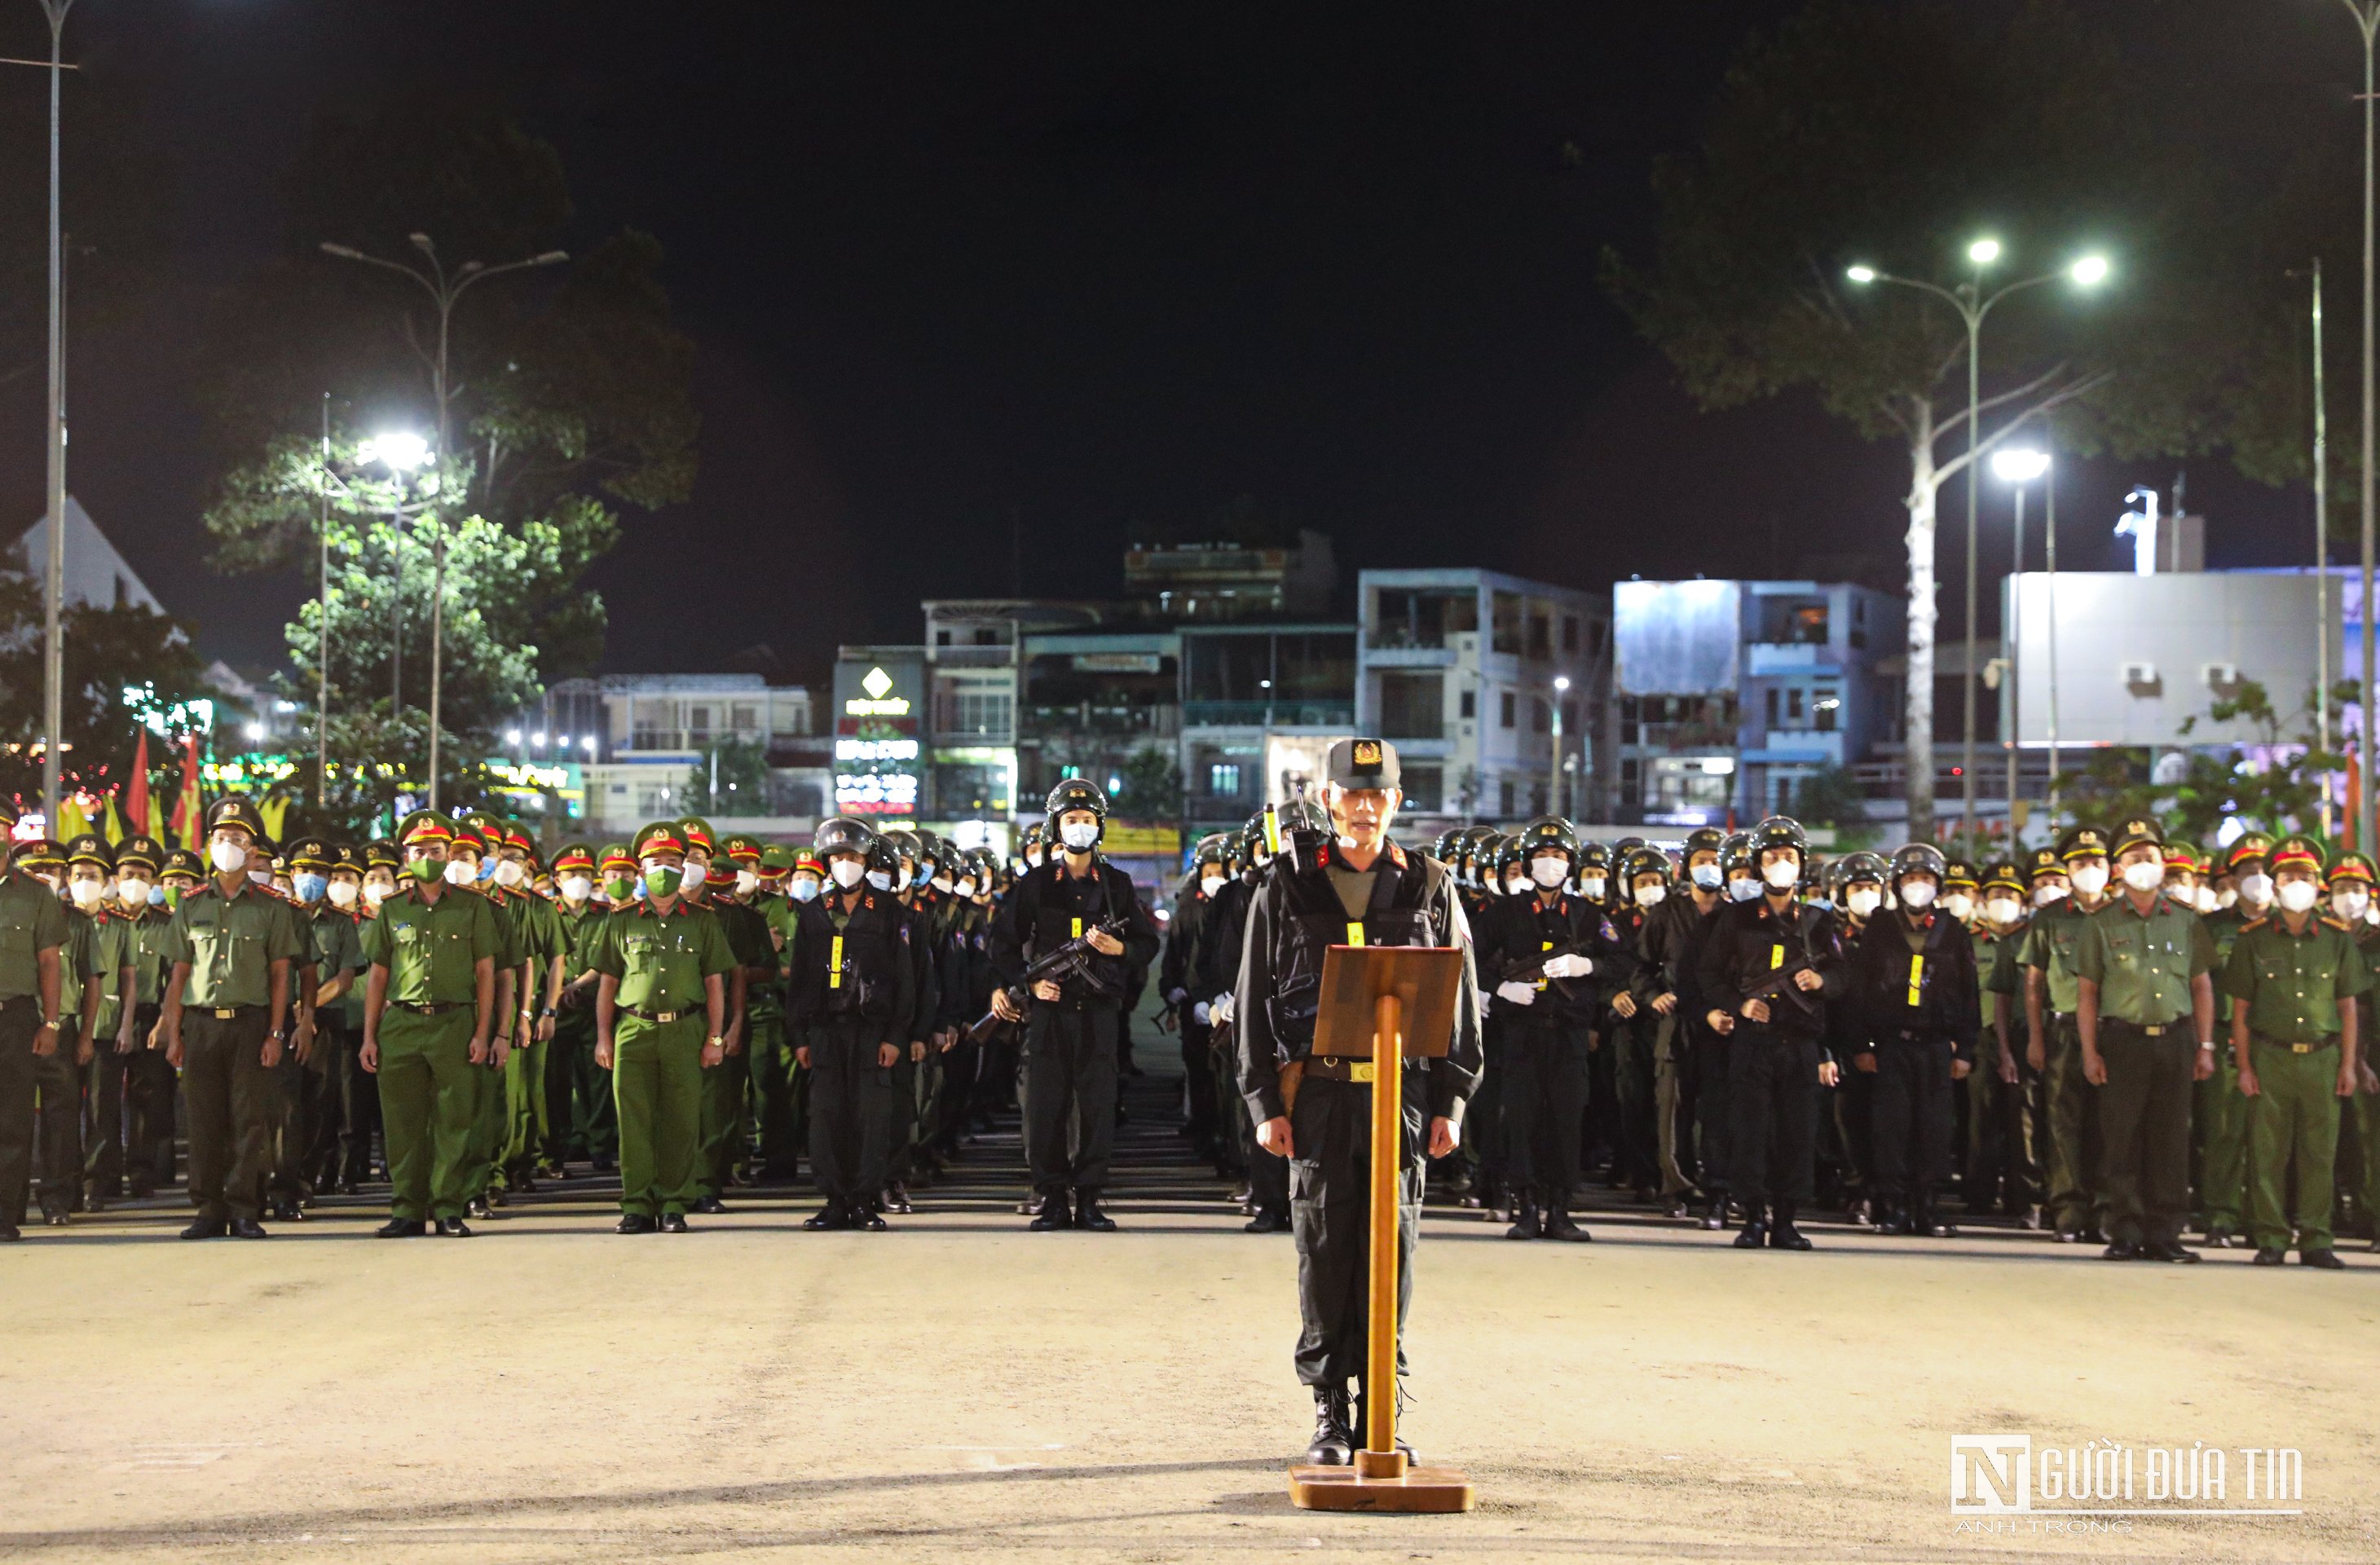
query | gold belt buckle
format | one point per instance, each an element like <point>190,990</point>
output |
<point>1362,1070</point>
<point>2158,1031</point>
<point>227,1013</point>
<point>2301,1048</point>
<point>667,1016</point>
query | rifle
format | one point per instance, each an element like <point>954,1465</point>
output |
<point>1071,960</point>
<point>1531,969</point>
<point>1782,982</point>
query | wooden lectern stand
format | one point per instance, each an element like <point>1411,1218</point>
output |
<point>1385,1004</point>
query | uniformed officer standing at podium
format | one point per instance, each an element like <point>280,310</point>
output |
<point>1311,1110</point>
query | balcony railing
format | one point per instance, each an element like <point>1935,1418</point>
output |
<point>1324,713</point>
<point>1084,717</point>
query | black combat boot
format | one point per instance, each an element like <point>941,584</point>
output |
<point>1054,1215</point>
<point>1923,1219</point>
<point>1782,1234</point>
<point>1087,1216</point>
<point>1756,1229</point>
<point>1334,1437</point>
<point>1526,1223</point>
<point>1361,1425</point>
<point>1559,1224</point>
<point>1715,1214</point>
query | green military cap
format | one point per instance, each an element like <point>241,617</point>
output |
<point>139,853</point>
<point>2296,848</point>
<point>310,852</point>
<point>2044,861</point>
<point>425,826</point>
<point>743,847</point>
<point>381,854</point>
<point>777,858</point>
<point>658,836</point>
<point>2082,841</point>
<point>38,854</point>
<point>346,856</point>
<point>516,836</point>
<point>91,848</point>
<point>2003,876</point>
<point>695,833</point>
<point>237,811</point>
<point>2139,831</point>
<point>615,856</point>
<point>2249,847</point>
<point>574,855</point>
<point>1960,872</point>
<point>2351,867</point>
<point>182,861</point>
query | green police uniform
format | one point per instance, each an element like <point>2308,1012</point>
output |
<point>1992,1173</point>
<point>105,1078</point>
<point>589,1122</point>
<point>430,1091</point>
<point>2145,965</point>
<point>2289,983</point>
<point>224,948</point>
<point>529,1129</point>
<point>32,922</point>
<point>2069,1118</point>
<point>2219,1114</point>
<point>661,1025</point>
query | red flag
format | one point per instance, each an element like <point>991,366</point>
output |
<point>135,794</point>
<point>186,808</point>
<point>2354,800</point>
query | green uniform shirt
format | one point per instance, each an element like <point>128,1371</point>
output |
<point>231,944</point>
<point>2223,927</point>
<point>433,950</point>
<point>661,960</point>
<point>333,942</point>
<point>79,960</point>
<point>578,926</point>
<point>509,917</point>
<point>2294,983</point>
<point>2050,943</point>
<point>111,952</point>
<point>751,944</point>
<point>1995,959</point>
<point>151,962</point>
<point>32,920</point>
<point>2143,966</point>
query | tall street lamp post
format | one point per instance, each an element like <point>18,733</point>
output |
<point>2367,21</point>
<point>54,573</point>
<point>2016,467</point>
<point>1562,688</point>
<point>445,288</point>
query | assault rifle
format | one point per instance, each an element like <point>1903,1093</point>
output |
<point>1782,982</point>
<point>1531,969</point>
<point>1071,960</point>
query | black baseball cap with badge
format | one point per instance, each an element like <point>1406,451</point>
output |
<point>2139,832</point>
<point>310,852</point>
<point>91,848</point>
<point>2082,841</point>
<point>237,811</point>
<point>139,852</point>
<point>2044,861</point>
<point>1356,764</point>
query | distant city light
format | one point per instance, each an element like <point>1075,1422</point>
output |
<point>400,450</point>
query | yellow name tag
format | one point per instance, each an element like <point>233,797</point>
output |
<point>1916,977</point>
<point>1362,1070</point>
<point>1776,958</point>
<point>834,965</point>
<point>1078,929</point>
<point>1355,934</point>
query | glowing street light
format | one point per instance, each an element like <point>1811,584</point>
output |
<point>2090,272</point>
<point>1982,252</point>
<point>1861,274</point>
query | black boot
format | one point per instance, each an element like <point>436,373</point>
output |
<point>1267,1221</point>
<point>833,1215</point>
<point>1527,1223</point>
<point>1715,1214</point>
<point>1782,1234</point>
<point>1756,1229</point>
<point>1924,1219</point>
<point>1361,1425</point>
<point>1055,1214</point>
<point>1558,1225</point>
<point>1087,1216</point>
<point>1334,1436</point>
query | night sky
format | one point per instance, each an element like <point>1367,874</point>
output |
<point>959,270</point>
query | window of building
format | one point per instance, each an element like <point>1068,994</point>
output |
<point>1505,706</point>
<point>1509,632</point>
<point>1772,698</point>
<point>1793,704</point>
<point>987,636</point>
<point>1541,715</point>
<point>1825,708</point>
<point>1569,633</point>
<point>1223,778</point>
<point>1413,706</point>
<point>1505,796</point>
<point>1470,704</point>
<point>1423,787</point>
<point>746,721</point>
<point>1793,621</point>
<point>1541,634</point>
<point>941,638</point>
<point>1422,616</point>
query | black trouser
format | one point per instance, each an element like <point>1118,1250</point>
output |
<point>324,1110</point>
<point>150,1087</point>
<point>229,1096</point>
<point>901,1109</point>
<point>1544,1110</point>
<point>1771,1079</point>
<point>1636,1149</point>
<point>20,1016</point>
<point>358,1092</point>
<point>2144,1131</point>
<point>1854,1102</point>
<point>1330,1216</point>
<point>1911,1116</point>
<point>1198,1079</point>
<point>1715,1129</point>
<point>1070,1097</point>
<point>850,1110</point>
<point>953,1096</point>
<point>57,1081</point>
<point>107,1085</point>
<point>1488,1108</point>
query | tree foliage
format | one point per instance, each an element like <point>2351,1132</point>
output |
<point>1152,787</point>
<point>2274,785</point>
<point>107,651</point>
<point>730,777</point>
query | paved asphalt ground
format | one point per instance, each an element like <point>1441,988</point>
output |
<point>548,1391</point>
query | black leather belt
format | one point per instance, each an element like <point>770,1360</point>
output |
<point>2297,1048</point>
<point>228,1013</point>
<point>1331,1068</point>
<point>425,1008</point>
<point>656,1015</point>
<point>2158,1030</point>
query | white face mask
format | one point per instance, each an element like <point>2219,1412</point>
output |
<point>342,894</point>
<point>226,856</point>
<point>510,872</point>
<point>847,872</point>
<point>1210,884</point>
<point>2349,905</point>
<point>1917,894</point>
<point>2296,896</point>
<point>2043,895</point>
<point>1033,859</point>
<point>801,888</point>
<point>461,872</point>
<point>1959,906</point>
<point>2091,879</point>
<point>1516,885</point>
<point>260,877</point>
<point>1592,888</point>
<point>964,889</point>
<point>2227,897</point>
<point>87,893</point>
<point>2257,888</point>
<point>132,891</point>
<point>2146,876</point>
<point>1784,874</point>
<point>1652,897</point>
<point>577,887</point>
<point>377,892</point>
<point>1079,836</point>
<point>1744,887</point>
<point>2205,900</point>
<point>942,883</point>
<point>1864,902</point>
<point>696,873</point>
<point>1548,872</point>
<point>2002,910</point>
<point>747,882</point>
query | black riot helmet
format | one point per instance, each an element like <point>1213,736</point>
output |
<point>1705,839</point>
<point>1918,858</point>
<point>1781,832</point>
<point>1075,793</point>
<point>1548,832</point>
<point>842,834</point>
<point>1594,857</point>
<point>1641,860</point>
<point>1735,853</point>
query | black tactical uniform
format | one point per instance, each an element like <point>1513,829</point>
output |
<point>1667,948</point>
<point>854,992</point>
<point>1913,989</point>
<point>1309,903</point>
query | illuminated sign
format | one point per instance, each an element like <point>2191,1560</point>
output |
<point>878,700</point>
<point>876,792</point>
<point>875,749</point>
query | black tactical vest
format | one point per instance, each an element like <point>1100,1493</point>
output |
<point>1312,920</point>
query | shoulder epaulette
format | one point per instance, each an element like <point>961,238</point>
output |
<point>2255,924</point>
<point>2341,925</point>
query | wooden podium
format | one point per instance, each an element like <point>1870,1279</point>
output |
<point>1385,1004</point>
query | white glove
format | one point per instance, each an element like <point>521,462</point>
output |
<point>1517,993</point>
<point>1221,1010</point>
<point>1570,964</point>
<point>1201,1012</point>
<point>1176,995</point>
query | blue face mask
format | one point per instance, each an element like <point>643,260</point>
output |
<point>881,879</point>
<point>309,886</point>
<point>924,873</point>
<point>156,896</point>
<point>1707,876</point>
<point>801,888</point>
